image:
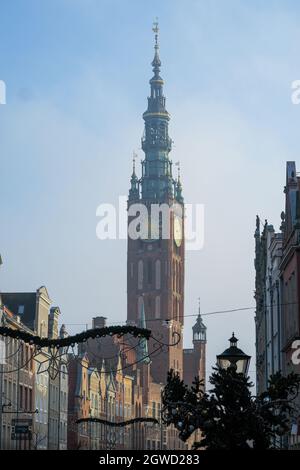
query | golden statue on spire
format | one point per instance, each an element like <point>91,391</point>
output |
<point>155,29</point>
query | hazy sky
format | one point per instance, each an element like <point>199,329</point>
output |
<point>77,76</point>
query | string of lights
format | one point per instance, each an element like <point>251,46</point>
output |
<point>215,312</point>
<point>119,424</point>
<point>75,339</point>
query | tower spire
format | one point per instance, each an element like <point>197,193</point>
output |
<point>178,185</point>
<point>156,63</point>
<point>134,182</point>
<point>157,180</point>
<point>142,349</point>
<point>199,329</point>
<point>134,155</point>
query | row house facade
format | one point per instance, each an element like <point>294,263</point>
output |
<point>17,372</point>
<point>30,392</point>
<point>268,253</point>
<point>98,393</point>
<point>119,386</point>
<point>277,293</point>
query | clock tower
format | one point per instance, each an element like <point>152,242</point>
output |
<point>155,261</point>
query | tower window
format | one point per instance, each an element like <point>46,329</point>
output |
<point>149,271</point>
<point>157,274</point>
<point>174,276</point>
<point>140,274</point>
<point>157,307</point>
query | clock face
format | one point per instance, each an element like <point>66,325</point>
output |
<point>177,231</point>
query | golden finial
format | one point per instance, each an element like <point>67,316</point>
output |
<point>155,29</point>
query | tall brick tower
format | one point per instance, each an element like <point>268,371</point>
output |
<point>155,263</point>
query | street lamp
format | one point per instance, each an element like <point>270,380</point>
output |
<point>234,357</point>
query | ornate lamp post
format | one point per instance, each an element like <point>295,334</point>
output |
<point>234,357</point>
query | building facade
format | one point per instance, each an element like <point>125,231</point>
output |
<point>268,255</point>
<point>37,393</point>
<point>290,281</point>
<point>277,294</point>
<point>16,386</point>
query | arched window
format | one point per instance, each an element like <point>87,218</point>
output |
<point>157,306</point>
<point>140,274</point>
<point>157,274</point>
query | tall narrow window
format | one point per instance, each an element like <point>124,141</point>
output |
<point>131,270</point>
<point>157,307</point>
<point>139,307</point>
<point>140,274</point>
<point>157,274</point>
<point>174,276</point>
<point>149,271</point>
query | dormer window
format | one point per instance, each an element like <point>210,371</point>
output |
<point>21,309</point>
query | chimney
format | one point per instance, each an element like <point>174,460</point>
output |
<point>99,322</point>
<point>53,319</point>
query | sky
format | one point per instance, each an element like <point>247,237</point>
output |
<point>76,74</point>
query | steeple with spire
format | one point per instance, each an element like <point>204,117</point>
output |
<point>142,349</point>
<point>194,359</point>
<point>199,329</point>
<point>156,183</point>
<point>134,182</point>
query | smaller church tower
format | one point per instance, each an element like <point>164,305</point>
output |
<point>199,331</point>
<point>194,358</point>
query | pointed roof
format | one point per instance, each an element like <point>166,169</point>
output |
<point>157,101</point>
<point>199,325</point>
<point>142,349</point>
<point>156,62</point>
